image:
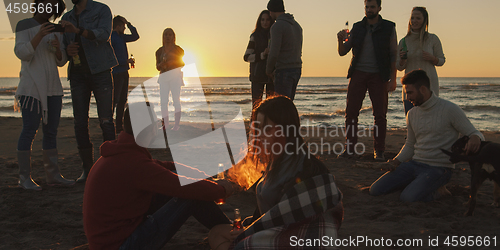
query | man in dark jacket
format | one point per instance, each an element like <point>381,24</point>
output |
<point>87,33</point>
<point>373,67</point>
<point>285,50</point>
<point>119,41</point>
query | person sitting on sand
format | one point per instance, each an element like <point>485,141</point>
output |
<point>421,169</point>
<point>291,174</point>
<point>120,188</point>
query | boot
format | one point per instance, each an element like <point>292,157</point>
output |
<point>177,121</point>
<point>24,161</point>
<point>52,174</point>
<point>87,156</point>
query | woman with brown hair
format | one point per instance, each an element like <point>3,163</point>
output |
<point>39,93</point>
<point>256,55</point>
<point>290,174</point>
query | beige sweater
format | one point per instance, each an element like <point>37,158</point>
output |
<point>431,126</point>
<point>415,61</point>
<point>39,76</point>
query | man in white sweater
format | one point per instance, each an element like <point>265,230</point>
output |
<point>420,168</point>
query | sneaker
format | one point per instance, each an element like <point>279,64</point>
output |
<point>378,155</point>
<point>345,155</point>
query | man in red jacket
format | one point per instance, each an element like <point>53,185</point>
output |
<point>120,188</point>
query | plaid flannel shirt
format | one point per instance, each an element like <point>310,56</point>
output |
<point>304,211</point>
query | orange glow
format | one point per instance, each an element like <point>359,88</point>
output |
<point>246,172</point>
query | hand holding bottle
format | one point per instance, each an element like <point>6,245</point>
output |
<point>131,60</point>
<point>72,49</point>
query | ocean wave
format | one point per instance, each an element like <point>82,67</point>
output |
<point>8,91</point>
<point>341,112</point>
<point>226,91</point>
<point>472,86</point>
<point>471,108</point>
<point>330,98</point>
<point>314,90</point>
<point>7,108</point>
<point>365,109</point>
<point>318,116</point>
<point>244,101</point>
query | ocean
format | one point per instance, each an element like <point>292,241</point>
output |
<point>319,100</point>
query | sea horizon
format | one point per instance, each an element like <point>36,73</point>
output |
<point>319,100</point>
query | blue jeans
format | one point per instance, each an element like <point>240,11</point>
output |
<point>82,87</point>
<point>286,81</point>
<point>419,181</point>
<point>408,105</point>
<point>31,121</point>
<point>160,227</point>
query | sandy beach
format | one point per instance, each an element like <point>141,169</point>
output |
<point>52,218</point>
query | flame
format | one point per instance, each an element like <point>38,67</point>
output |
<point>246,172</point>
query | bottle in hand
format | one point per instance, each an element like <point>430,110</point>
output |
<point>220,176</point>
<point>237,220</point>
<point>347,31</point>
<point>132,64</point>
<point>404,49</point>
<point>76,60</point>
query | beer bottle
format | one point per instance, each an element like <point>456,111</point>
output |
<point>237,220</point>
<point>132,64</point>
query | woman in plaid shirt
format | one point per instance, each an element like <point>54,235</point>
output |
<point>295,196</point>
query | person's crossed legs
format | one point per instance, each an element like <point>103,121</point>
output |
<point>419,181</point>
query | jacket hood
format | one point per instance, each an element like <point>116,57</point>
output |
<point>286,17</point>
<point>125,144</point>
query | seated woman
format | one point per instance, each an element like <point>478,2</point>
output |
<point>295,196</point>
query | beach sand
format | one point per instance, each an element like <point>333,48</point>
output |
<point>52,218</point>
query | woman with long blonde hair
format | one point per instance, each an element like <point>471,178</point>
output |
<point>420,49</point>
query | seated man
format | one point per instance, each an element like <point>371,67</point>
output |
<point>120,188</point>
<point>420,168</point>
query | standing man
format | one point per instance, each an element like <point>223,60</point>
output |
<point>420,168</point>
<point>373,67</point>
<point>285,50</point>
<point>119,41</point>
<point>88,45</point>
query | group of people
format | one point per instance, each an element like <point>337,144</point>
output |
<point>132,201</point>
<point>376,57</point>
<point>274,53</point>
<point>98,64</point>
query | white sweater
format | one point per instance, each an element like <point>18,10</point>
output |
<point>431,45</point>
<point>431,126</point>
<point>39,76</point>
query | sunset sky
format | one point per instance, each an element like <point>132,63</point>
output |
<point>214,33</point>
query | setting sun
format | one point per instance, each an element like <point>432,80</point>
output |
<point>189,69</point>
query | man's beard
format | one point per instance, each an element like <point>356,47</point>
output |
<point>371,15</point>
<point>419,100</point>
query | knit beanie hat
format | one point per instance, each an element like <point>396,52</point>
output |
<point>276,6</point>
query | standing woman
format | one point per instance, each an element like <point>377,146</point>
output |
<point>169,62</point>
<point>256,55</point>
<point>39,93</point>
<point>420,49</point>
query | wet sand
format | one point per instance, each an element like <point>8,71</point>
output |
<point>52,218</point>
